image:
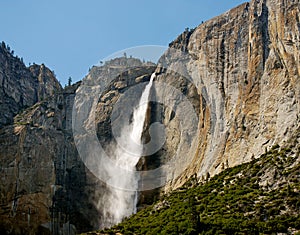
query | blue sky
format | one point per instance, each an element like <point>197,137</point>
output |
<point>69,36</point>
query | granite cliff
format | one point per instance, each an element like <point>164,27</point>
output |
<point>42,179</point>
<point>22,87</point>
<point>239,71</point>
<point>245,65</point>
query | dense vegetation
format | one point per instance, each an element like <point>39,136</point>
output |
<point>259,197</point>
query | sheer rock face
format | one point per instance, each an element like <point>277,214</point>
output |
<point>47,83</point>
<point>45,185</point>
<point>22,87</point>
<point>245,65</point>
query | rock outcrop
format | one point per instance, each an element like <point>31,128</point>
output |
<point>22,87</point>
<point>46,187</point>
<point>245,65</point>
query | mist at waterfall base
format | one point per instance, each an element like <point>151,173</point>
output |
<point>118,203</point>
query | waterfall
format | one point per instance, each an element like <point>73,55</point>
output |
<point>119,203</point>
<point>139,114</point>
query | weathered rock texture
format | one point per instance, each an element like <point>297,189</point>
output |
<point>245,65</point>
<point>22,87</point>
<point>44,187</point>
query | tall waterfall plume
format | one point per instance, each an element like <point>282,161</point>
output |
<point>120,203</point>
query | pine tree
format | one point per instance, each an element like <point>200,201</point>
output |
<point>69,81</point>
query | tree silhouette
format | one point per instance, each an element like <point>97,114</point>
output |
<point>69,81</point>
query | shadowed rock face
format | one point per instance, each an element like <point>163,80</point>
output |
<point>239,71</point>
<point>44,181</point>
<point>22,87</point>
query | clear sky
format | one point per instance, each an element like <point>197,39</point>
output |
<point>69,36</point>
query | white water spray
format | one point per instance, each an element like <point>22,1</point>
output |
<point>119,203</point>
